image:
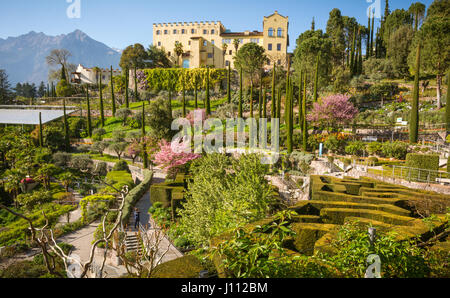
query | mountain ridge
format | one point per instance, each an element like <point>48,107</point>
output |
<point>23,57</point>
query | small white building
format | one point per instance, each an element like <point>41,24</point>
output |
<point>85,75</point>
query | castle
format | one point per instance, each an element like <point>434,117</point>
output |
<point>203,42</point>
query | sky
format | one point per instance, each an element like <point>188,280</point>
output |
<point>119,23</point>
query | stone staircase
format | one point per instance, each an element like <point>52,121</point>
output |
<point>132,243</point>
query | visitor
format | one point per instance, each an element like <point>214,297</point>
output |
<point>136,218</point>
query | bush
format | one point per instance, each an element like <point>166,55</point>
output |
<point>374,148</point>
<point>372,160</point>
<point>422,161</point>
<point>121,166</point>
<point>76,126</point>
<point>335,144</point>
<point>355,148</point>
<point>185,267</point>
<point>118,179</point>
<point>62,159</point>
<point>395,149</point>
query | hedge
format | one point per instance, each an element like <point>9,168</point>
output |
<point>184,267</point>
<point>338,215</point>
<point>118,179</point>
<point>330,196</point>
<point>422,161</point>
<point>307,234</point>
<point>135,195</point>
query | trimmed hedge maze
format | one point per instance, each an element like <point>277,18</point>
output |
<point>170,193</point>
<point>365,201</point>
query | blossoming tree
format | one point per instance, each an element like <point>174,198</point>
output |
<point>333,111</point>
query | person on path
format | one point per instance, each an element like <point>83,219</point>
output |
<point>137,217</point>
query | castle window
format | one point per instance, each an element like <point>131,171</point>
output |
<point>231,52</point>
<point>279,62</point>
<point>166,32</point>
<point>158,32</point>
<point>159,43</point>
<point>280,32</point>
<point>279,47</point>
<point>271,32</point>
<point>227,63</point>
<point>168,54</point>
<point>255,40</point>
<point>183,31</point>
<point>212,41</point>
<point>205,31</point>
<point>174,31</point>
<point>269,47</point>
<point>192,31</point>
<point>212,31</point>
<point>189,42</point>
<point>210,55</point>
<point>205,43</point>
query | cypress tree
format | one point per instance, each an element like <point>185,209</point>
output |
<point>41,142</point>
<point>229,84</point>
<point>371,34</point>
<point>360,59</point>
<point>288,118</point>
<point>300,114</point>
<point>66,129</point>
<point>208,102</point>
<point>127,100</point>
<point>273,112</point>
<point>352,55</point>
<point>184,98</point>
<point>316,78</point>
<point>251,99</point>
<point>368,38</point>
<point>304,124</point>
<point>260,100</point>
<point>414,121</point>
<point>136,94</point>
<point>89,125</point>
<point>279,104</point>
<point>264,103</point>
<point>63,73</point>
<point>144,148</point>
<point>113,99</point>
<point>47,92</point>
<point>102,113</point>
<point>169,103</point>
<point>240,94</point>
<point>447,107</point>
<point>196,94</point>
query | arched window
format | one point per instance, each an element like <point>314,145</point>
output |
<point>280,32</point>
<point>271,32</point>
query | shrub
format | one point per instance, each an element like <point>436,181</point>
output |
<point>121,166</point>
<point>185,267</point>
<point>373,160</point>
<point>395,149</point>
<point>119,179</point>
<point>62,159</point>
<point>422,161</point>
<point>76,126</point>
<point>84,163</point>
<point>123,115</point>
<point>374,148</point>
<point>355,148</point>
<point>334,144</point>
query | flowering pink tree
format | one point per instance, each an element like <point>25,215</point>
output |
<point>332,111</point>
<point>133,150</point>
<point>173,156</point>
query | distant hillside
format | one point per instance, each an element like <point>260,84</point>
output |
<point>23,57</point>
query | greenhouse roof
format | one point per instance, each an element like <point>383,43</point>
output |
<point>30,116</point>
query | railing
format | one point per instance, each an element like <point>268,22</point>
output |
<point>413,175</point>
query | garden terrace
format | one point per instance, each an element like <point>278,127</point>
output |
<point>364,201</point>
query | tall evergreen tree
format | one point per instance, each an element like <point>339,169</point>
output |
<point>264,103</point>
<point>414,122</point>
<point>279,104</point>
<point>184,97</point>
<point>304,113</point>
<point>102,111</point>
<point>260,104</point>
<point>144,149</point>
<point>196,93</point>
<point>240,92</point>
<point>89,124</point>
<point>273,111</point>
<point>113,99</point>
<point>127,78</point>
<point>208,102</point>
<point>300,83</point>
<point>316,78</point>
<point>229,84</point>
<point>352,55</point>
<point>41,142</point>
<point>251,100</point>
<point>371,34</point>
<point>66,129</point>
<point>136,94</point>
<point>368,36</point>
<point>360,59</point>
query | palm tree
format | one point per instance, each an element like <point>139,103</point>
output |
<point>178,51</point>
<point>12,183</point>
<point>224,49</point>
<point>236,43</point>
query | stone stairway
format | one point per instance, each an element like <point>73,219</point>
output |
<point>132,243</point>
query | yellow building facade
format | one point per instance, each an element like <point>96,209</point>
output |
<point>211,44</point>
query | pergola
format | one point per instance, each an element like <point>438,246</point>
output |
<point>29,115</point>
